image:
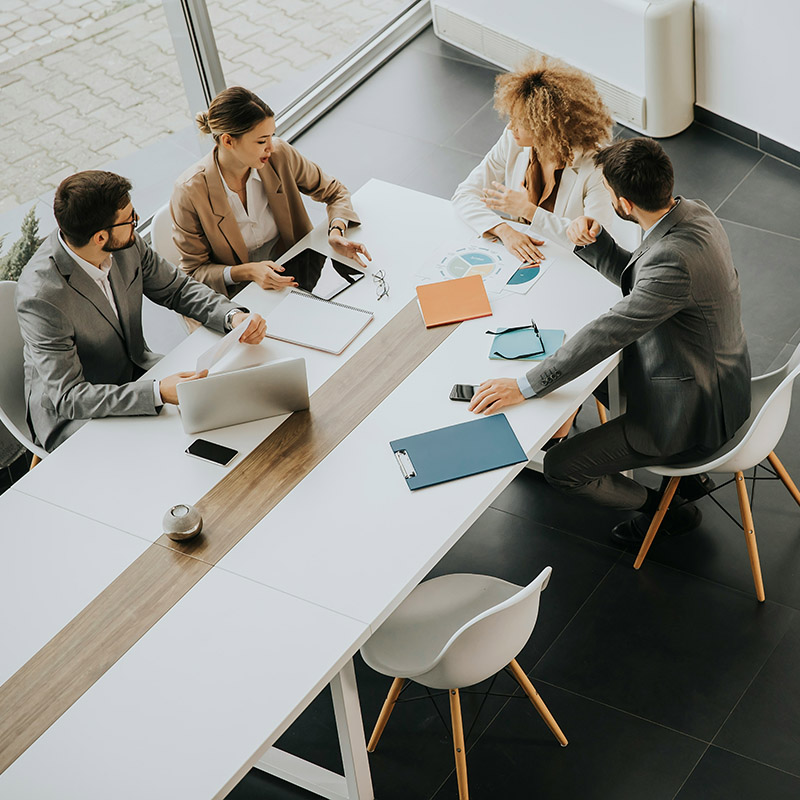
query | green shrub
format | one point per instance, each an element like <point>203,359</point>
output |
<point>20,253</point>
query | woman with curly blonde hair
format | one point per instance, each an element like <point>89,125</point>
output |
<point>541,171</point>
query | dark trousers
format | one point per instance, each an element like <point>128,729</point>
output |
<point>589,465</point>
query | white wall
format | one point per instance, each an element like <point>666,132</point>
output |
<point>748,64</point>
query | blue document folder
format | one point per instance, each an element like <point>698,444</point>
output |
<point>514,344</point>
<point>454,452</point>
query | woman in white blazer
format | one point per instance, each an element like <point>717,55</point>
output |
<point>541,171</point>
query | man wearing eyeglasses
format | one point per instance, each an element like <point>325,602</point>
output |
<point>79,305</point>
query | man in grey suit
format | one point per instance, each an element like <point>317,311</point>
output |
<point>685,365</point>
<point>79,304</point>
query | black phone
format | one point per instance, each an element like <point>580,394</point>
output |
<point>210,451</point>
<point>462,391</point>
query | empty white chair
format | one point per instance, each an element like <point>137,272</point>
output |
<point>754,441</point>
<point>12,377</point>
<point>161,236</point>
<point>456,631</point>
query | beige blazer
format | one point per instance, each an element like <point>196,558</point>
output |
<point>205,230</point>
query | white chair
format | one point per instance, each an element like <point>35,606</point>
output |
<point>456,631</point>
<point>12,381</point>
<point>754,442</point>
<point>161,236</point>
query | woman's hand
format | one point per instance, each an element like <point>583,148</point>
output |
<point>349,249</point>
<point>515,203</point>
<point>495,394</point>
<point>521,245</point>
<point>267,274</point>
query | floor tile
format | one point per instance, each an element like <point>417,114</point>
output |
<point>673,649</point>
<point>765,725</point>
<point>421,95</point>
<point>354,152</point>
<point>712,177</point>
<point>480,133</point>
<point>610,756</point>
<point>769,198</point>
<point>723,776</point>
<point>441,175</point>
<point>768,266</point>
<point>516,550</point>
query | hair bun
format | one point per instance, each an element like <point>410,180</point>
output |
<point>202,122</point>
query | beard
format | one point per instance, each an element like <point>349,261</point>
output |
<point>113,245</point>
<point>621,214</point>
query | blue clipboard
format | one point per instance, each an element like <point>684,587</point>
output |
<point>457,451</point>
<point>515,343</point>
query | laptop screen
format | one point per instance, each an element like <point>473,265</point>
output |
<point>322,276</point>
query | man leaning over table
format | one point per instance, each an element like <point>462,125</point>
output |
<point>79,305</point>
<point>685,365</point>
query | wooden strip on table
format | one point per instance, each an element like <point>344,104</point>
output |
<point>91,643</point>
<point>34,697</point>
<point>243,497</point>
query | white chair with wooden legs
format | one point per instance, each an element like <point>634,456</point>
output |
<point>754,442</point>
<point>456,631</point>
<point>161,236</point>
<point>13,412</point>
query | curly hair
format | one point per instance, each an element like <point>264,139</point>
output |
<point>558,104</point>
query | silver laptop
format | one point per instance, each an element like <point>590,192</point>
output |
<point>229,398</point>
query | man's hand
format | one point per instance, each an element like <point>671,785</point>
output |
<point>584,230</point>
<point>347,248</point>
<point>267,274</point>
<point>515,203</point>
<point>521,245</point>
<point>168,386</point>
<point>495,394</point>
<point>255,331</point>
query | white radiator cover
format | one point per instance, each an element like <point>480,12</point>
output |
<point>640,53</point>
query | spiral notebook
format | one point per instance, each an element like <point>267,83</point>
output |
<point>310,321</point>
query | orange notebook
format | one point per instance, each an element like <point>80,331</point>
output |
<point>453,301</point>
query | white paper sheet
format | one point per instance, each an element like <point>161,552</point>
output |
<point>223,346</point>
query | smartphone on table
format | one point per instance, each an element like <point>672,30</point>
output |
<point>211,451</point>
<point>462,391</point>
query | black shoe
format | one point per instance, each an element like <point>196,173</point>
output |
<point>693,487</point>
<point>676,522</point>
<point>550,443</point>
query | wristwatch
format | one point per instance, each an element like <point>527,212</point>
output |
<point>337,227</point>
<point>228,322</point>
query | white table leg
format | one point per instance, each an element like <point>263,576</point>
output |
<point>356,783</point>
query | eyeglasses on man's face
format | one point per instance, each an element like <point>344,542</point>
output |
<point>133,221</point>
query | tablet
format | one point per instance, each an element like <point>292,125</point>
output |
<point>322,276</point>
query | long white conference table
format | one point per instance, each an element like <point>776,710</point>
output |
<point>179,665</point>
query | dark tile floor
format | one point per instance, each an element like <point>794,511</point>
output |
<point>671,681</point>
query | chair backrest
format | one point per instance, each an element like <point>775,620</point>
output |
<point>12,376</point>
<point>489,641</point>
<point>769,413</point>
<point>161,236</point>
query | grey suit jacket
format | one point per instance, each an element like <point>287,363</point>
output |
<point>685,365</point>
<point>80,360</point>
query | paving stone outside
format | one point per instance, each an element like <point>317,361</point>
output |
<point>86,82</point>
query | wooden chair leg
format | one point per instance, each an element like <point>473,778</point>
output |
<point>784,476</point>
<point>383,717</point>
<point>750,535</point>
<point>538,703</point>
<point>34,461</point>
<point>458,745</point>
<point>601,412</point>
<point>655,523</point>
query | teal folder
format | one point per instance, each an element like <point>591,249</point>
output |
<point>454,452</point>
<point>515,343</point>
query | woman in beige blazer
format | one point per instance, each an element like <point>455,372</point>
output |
<point>240,207</point>
<point>540,172</point>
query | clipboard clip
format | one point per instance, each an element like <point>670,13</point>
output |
<point>404,462</point>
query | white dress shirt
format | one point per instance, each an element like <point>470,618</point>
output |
<point>256,223</point>
<point>100,276</point>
